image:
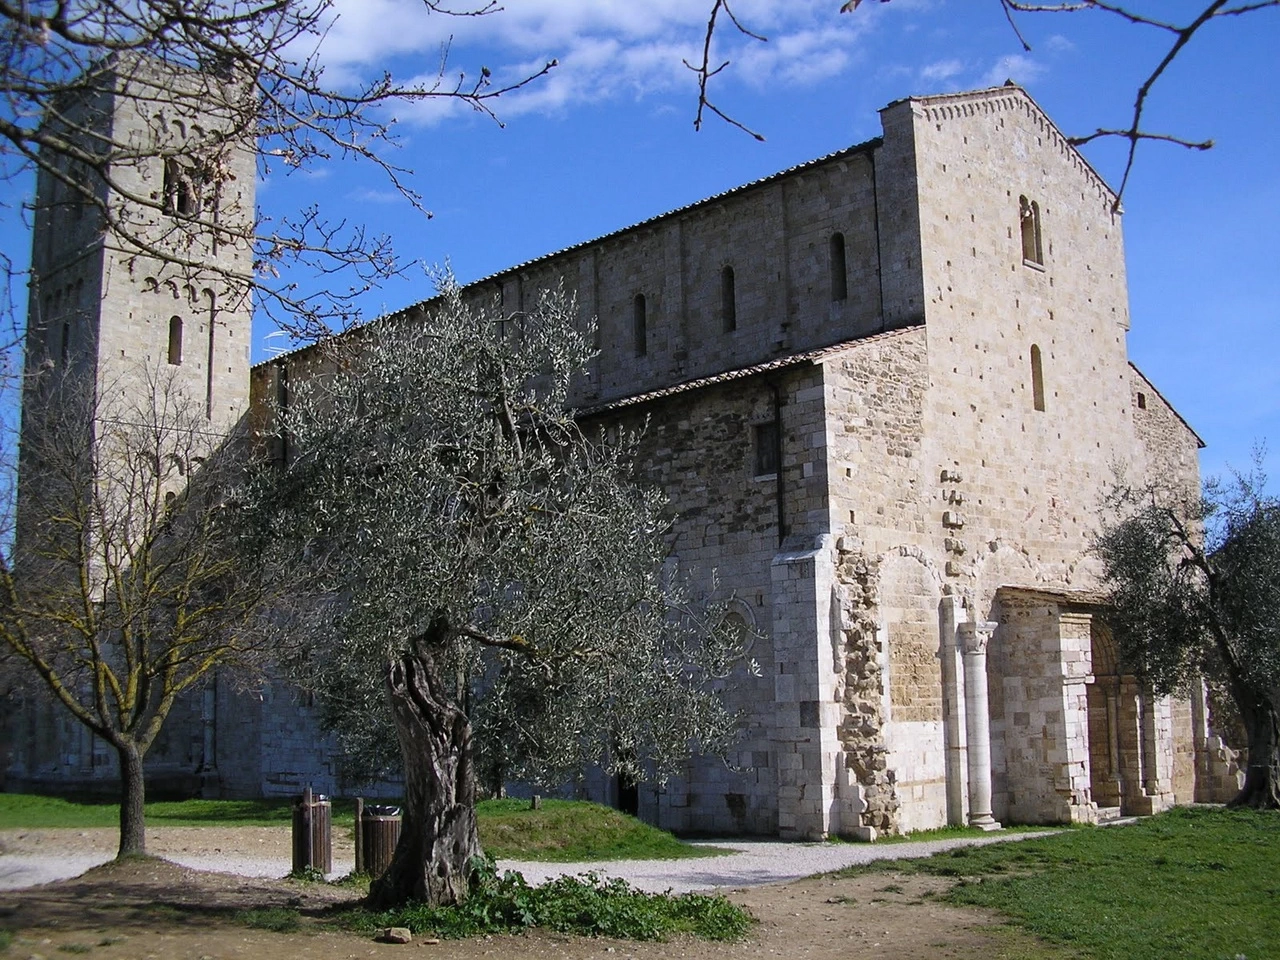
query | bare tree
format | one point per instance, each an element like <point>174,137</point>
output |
<point>251,68</point>
<point>129,578</point>
<point>1180,34</point>
<point>472,551</point>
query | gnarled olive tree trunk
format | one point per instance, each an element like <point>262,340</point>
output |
<point>432,862</point>
<point>1261,719</point>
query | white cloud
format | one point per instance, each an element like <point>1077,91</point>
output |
<point>605,48</point>
<point>1020,69</point>
<point>1059,44</point>
<point>941,71</point>
<point>367,195</point>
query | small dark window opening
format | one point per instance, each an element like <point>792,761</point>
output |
<point>282,405</point>
<point>1037,379</point>
<point>728,300</point>
<point>1029,221</point>
<point>1142,401</point>
<point>175,341</point>
<point>181,192</point>
<point>65,351</point>
<point>640,325</point>
<point>766,441</point>
<point>839,273</point>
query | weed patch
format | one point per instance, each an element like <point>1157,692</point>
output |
<point>586,905</point>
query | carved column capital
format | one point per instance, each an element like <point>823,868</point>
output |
<point>975,635</point>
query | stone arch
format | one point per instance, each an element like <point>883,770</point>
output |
<point>1000,563</point>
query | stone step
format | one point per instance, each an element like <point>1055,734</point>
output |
<point>1107,814</point>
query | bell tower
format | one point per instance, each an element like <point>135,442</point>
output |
<point>142,242</point>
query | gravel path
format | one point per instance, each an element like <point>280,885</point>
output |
<point>753,863</point>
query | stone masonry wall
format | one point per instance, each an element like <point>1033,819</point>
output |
<point>700,448</point>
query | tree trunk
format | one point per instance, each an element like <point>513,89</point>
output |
<point>133,833</point>
<point>1261,788</point>
<point>432,861</point>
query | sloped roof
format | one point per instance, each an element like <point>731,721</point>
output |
<point>740,373</point>
<point>864,147</point>
<point>1154,389</point>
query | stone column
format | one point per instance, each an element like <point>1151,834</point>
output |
<point>953,723</point>
<point>974,637</point>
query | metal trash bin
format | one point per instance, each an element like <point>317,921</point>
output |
<point>379,833</point>
<point>312,833</point>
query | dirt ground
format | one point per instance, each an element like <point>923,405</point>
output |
<point>155,910</point>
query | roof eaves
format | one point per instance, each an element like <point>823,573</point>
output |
<point>1004,90</point>
<point>814,356</point>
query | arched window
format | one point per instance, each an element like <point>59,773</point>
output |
<point>728,300</point>
<point>839,273</point>
<point>640,325</point>
<point>1029,222</point>
<point>175,341</point>
<point>1037,379</point>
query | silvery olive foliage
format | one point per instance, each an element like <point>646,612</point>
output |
<point>1194,594</point>
<point>435,470</point>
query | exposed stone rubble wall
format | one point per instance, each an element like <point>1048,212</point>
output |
<point>873,803</point>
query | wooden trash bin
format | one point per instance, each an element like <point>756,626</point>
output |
<point>312,833</point>
<point>379,834</point>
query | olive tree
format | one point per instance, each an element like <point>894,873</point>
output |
<point>1194,593</point>
<point>468,546</point>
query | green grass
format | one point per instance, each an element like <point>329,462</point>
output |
<point>1190,883</point>
<point>563,831</point>
<point>20,810</point>
<point>6,938</point>
<point>573,831</point>
<point>586,905</point>
<point>952,833</point>
<point>275,919</point>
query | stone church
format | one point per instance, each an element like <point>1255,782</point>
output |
<point>885,392</point>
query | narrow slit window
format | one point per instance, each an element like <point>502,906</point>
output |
<point>1142,401</point>
<point>65,352</point>
<point>640,325</point>
<point>208,388</point>
<point>1029,220</point>
<point>767,453</point>
<point>1037,379</point>
<point>839,273</point>
<point>728,300</point>
<point>175,341</point>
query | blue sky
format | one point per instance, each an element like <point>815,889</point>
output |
<point>607,140</point>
